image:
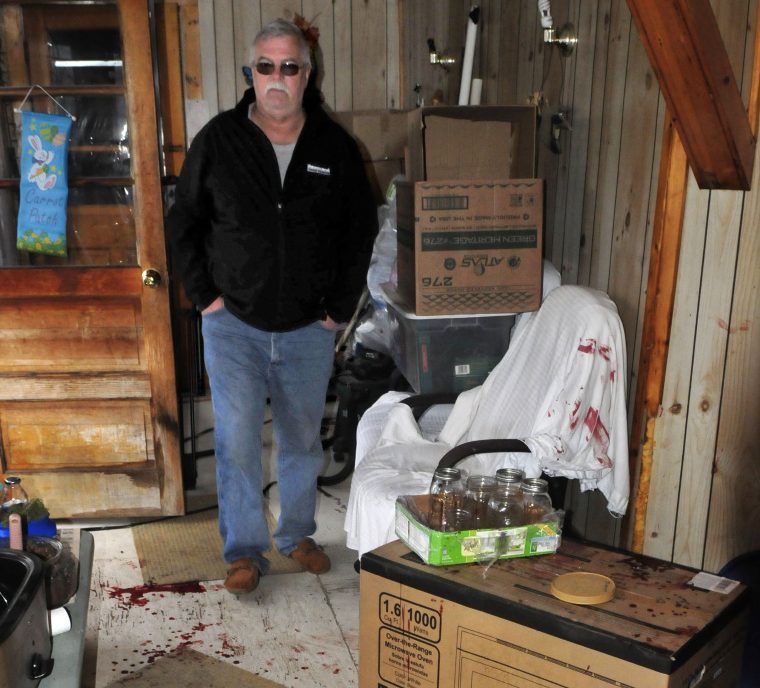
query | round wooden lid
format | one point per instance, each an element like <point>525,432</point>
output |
<point>581,587</point>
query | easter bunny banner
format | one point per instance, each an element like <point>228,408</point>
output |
<point>43,187</point>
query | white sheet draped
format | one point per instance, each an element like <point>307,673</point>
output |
<point>560,388</point>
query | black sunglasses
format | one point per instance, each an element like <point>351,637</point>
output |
<point>286,68</point>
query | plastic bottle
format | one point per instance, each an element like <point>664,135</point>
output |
<point>13,493</point>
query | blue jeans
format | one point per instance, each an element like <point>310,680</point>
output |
<point>245,366</point>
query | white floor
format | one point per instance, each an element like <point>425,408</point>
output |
<point>295,629</point>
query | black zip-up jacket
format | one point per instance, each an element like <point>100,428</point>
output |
<point>282,255</point>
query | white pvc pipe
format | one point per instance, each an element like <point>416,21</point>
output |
<point>60,621</point>
<point>476,91</point>
<point>469,54</point>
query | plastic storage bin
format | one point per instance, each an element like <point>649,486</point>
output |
<point>446,353</point>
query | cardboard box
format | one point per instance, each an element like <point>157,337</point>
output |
<point>473,142</point>
<point>469,248</point>
<point>445,353</point>
<point>470,218</point>
<point>381,136</point>
<point>466,546</point>
<point>454,627</point>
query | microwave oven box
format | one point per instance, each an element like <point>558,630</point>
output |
<point>465,625</point>
<point>470,214</point>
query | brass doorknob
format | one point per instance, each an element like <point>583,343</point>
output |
<point>151,278</point>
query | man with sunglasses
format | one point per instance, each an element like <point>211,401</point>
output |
<point>272,231</point>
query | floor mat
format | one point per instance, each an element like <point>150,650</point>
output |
<point>191,669</point>
<point>189,548</point>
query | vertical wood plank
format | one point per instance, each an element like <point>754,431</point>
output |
<point>226,79</point>
<point>633,184</point>
<point>368,27</point>
<point>707,374</point>
<point>751,84</point>
<point>170,79</point>
<point>246,24</point>
<point>320,14</point>
<point>735,497</point>
<point>500,85</point>
<point>670,426</point>
<point>392,56</point>
<point>660,291</point>
<point>440,21</point>
<point>343,55</point>
<point>732,15</point>
<point>609,160</point>
<point>594,141</point>
<point>191,55</point>
<point>570,195</point>
<point>279,9</point>
<point>530,27</point>
<point>550,74</point>
<point>151,249</point>
<point>207,23</point>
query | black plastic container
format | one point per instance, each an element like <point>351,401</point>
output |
<point>25,644</point>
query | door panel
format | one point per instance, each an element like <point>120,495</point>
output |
<point>88,403</point>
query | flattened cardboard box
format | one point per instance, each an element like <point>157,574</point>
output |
<point>470,247</point>
<point>453,627</point>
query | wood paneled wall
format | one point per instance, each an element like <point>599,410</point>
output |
<point>601,184</point>
<point>358,49</point>
<point>706,472</point>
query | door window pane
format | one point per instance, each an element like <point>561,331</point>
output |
<point>76,54</point>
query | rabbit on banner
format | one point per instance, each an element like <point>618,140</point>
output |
<point>41,159</point>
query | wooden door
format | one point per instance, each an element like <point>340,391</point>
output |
<point>88,404</point>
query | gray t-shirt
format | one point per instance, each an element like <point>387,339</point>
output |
<point>284,153</point>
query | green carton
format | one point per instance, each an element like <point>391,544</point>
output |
<point>441,548</point>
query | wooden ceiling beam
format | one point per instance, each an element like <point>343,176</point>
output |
<point>686,50</point>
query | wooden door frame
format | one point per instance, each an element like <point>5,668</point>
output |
<point>151,251</point>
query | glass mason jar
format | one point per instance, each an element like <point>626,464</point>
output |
<point>446,490</point>
<point>509,475</point>
<point>13,493</point>
<point>478,490</point>
<point>536,499</point>
<point>506,507</point>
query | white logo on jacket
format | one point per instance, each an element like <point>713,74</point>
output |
<point>316,169</point>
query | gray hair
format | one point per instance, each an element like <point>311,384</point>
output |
<point>277,29</point>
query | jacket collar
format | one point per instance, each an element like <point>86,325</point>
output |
<point>314,114</point>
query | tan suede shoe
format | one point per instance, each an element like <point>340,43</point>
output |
<point>242,576</point>
<point>311,556</point>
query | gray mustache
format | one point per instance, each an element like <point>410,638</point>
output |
<point>277,86</point>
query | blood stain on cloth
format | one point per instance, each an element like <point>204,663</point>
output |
<point>574,414</point>
<point>601,436</point>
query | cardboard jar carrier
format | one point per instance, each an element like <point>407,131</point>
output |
<point>444,548</point>
<point>465,626</point>
<point>470,218</point>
